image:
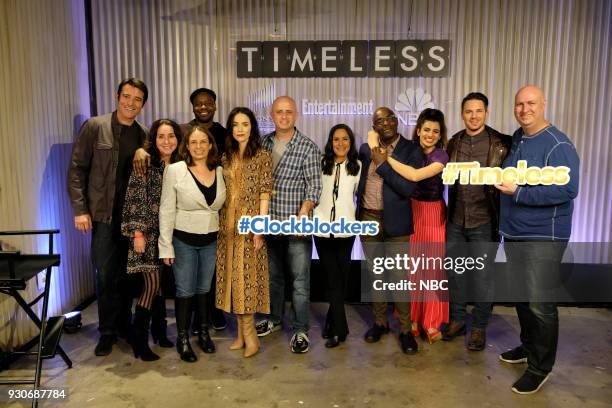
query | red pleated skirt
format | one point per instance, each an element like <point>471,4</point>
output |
<point>429,308</point>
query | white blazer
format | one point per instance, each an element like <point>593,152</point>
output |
<point>183,206</point>
<point>345,202</point>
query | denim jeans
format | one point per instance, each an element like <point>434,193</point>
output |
<point>109,255</point>
<point>292,254</point>
<point>475,285</point>
<point>193,268</point>
<point>539,320</point>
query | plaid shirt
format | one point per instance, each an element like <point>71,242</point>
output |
<point>297,177</point>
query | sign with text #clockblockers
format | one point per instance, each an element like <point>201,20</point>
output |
<point>377,58</point>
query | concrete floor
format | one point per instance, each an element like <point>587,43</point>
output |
<point>355,374</point>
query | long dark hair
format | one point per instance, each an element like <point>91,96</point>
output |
<point>154,151</point>
<point>432,115</point>
<point>253,144</point>
<point>352,166</point>
<point>211,160</point>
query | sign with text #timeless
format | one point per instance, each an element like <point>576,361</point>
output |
<point>377,58</point>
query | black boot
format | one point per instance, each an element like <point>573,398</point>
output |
<point>140,335</point>
<point>194,320</point>
<point>183,312</point>
<point>216,315</point>
<point>218,318</point>
<point>158,323</point>
<point>204,340</point>
<point>124,313</point>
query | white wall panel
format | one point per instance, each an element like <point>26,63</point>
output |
<point>44,98</point>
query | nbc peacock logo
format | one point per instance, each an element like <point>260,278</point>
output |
<point>260,102</point>
<point>410,103</point>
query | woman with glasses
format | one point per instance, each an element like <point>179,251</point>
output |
<point>428,311</point>
<point>193,192</point>
<point>341,171</point>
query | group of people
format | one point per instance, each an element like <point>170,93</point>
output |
<point>171,197</point>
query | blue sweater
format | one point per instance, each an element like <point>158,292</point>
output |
<point>540,212</point>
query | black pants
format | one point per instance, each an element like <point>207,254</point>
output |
<point>474,286</point>
<point>109,254</point>
<point>335,258</point>
<point>537,263</point>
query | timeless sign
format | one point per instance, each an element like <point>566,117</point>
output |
<point>379,58</point>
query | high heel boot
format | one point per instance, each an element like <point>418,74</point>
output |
<point>239,341</point>
<point>251,340</point>
<point>183,347</point>
<point>140,335</point>
<point>159,324</point>
<point>204,340</point>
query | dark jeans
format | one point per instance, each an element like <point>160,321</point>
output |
<point>473,285</point>
<point>293,253</point>
<point>335,258</point>
<point>539,320</point>
<point>109,254</point>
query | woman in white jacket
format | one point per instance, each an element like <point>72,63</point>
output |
<point>340,178</point>
<point>193,192</point>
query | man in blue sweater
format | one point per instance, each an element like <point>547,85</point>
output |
<point>536,222</point>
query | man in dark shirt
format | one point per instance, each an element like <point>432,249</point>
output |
<point>204,103</point>
<point>473,214</point>
<point>98,176</point>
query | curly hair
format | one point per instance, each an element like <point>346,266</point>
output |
<point>432,115</point>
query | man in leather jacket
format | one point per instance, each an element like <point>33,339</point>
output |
<point>473,217</point>
<point>98,176</point>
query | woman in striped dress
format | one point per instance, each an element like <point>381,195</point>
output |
<point>429,309</point>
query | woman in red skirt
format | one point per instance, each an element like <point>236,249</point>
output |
<point>429,308</point>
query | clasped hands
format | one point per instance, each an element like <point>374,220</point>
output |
<point>379,154</point>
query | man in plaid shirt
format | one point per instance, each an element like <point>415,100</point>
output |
<point>296,170</point>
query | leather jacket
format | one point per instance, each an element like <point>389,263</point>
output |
<point>93,167</point>
<point>499,147</point>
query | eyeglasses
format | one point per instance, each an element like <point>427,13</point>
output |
<point>382,121</point>
<point>199,142</point>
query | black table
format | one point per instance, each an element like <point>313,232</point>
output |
<point>16,270</point>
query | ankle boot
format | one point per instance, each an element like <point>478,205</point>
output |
<point>158,323</point>
<point>204,340</point>
<point>183,347</point>
<point>251,340</point>
<point>239,341</point>
<point>140,335</point>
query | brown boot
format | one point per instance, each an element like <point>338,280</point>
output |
<point>453,330</point>
<point>478,338</point>
<point>250,335</point>
<point>239,341</point>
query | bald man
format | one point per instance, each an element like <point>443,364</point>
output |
<point>296,171</point>
<point>536,221</point>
